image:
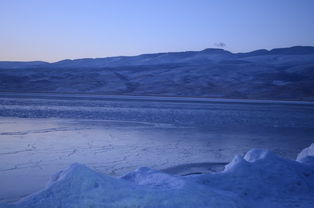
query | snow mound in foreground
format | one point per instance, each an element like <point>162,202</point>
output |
<point>263,179</point>
<point>259,179</point>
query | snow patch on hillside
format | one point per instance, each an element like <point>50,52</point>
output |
<point>307,155</point>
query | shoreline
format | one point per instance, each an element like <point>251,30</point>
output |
<point>158,98</point>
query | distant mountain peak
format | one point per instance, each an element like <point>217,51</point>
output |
<point>215,51</point>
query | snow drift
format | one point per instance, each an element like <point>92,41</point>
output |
<point>258,179</point>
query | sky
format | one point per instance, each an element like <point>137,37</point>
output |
<point>52,30</point>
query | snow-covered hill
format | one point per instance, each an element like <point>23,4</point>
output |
<point>285,73</point>
<point>258,179</point>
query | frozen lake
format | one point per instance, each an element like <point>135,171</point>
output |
<point>41,134</point>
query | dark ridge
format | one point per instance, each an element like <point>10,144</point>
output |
<point>260,52</point>
<point>296,50</point>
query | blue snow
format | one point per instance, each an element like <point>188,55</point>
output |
<point>258,179</point>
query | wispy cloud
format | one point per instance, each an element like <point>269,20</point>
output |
<point>220,44</point>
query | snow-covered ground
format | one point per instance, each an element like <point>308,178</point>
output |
<point>257,180</point>
<point>42,135</point>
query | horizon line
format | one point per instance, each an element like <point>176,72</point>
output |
<point>149,53</point>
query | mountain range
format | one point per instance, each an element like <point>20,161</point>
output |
<point>280,74</point>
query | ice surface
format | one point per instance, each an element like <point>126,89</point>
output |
<point>259,179</point>
<point>114,135</point>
